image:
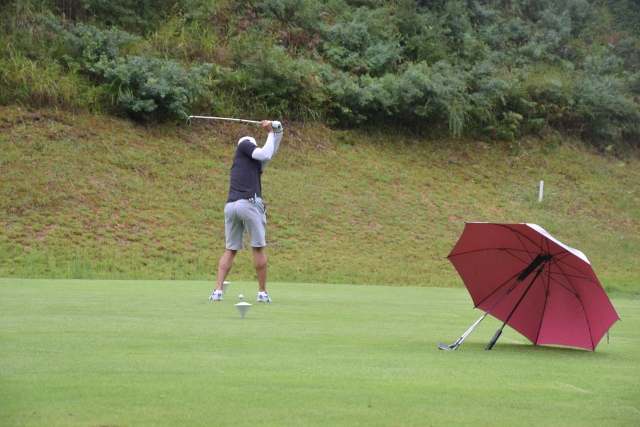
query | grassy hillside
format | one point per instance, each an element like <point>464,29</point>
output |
<point>88,196</point>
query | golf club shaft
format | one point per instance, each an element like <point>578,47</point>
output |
<point>222,118</point>
<point>466,334</point>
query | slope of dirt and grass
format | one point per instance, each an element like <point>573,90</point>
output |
<point>96,197</point>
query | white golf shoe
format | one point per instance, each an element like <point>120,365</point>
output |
<point>216,296</point>
<point>263,297</point>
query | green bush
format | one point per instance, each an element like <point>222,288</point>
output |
<point>365,44</point>
<point>140,15</point>
<point>89,46</point>
<point>426,94</point>
<point>498,69</point>
<point>282,9</point>
<point>444,96</point>
<point>607,111</point>
<point>423,36</point>
<point>633,83</point>
<point>347,100</point>
<point>144,88</point>
<point>153,89</point>
<point>287,87</point>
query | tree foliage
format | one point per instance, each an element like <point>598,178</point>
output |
<point>492,69</point>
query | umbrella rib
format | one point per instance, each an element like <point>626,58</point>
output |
<point>516,257</point>
<point>523,245</point>
<point>558,261</point>
<point>584,312</point>
<point>560,284</point>
<point>496,289</point>
<point>491,249</point>
<point>548,244</point>
<point>569,275</point>
<point>546,298</point>
<point>507,250</point>
<point>562,273</point>
<point>555,256</point>
<point>509,279</point>
<point>521,234</point>
<point>565,252</point>
<point>518,234</point>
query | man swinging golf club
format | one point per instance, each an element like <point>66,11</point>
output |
<point>245,211</point>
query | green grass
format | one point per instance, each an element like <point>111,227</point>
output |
<point>94,197</point>
<point>158,353</point>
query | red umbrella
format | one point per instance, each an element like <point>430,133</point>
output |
<point>540,287</point>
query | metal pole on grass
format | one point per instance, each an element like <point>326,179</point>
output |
<point>541,188</point>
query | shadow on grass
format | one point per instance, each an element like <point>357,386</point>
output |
<point>530,349</point>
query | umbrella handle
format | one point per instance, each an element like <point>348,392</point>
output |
<point>494,339</point>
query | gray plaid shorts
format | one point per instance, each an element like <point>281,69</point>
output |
<point>245,216</point>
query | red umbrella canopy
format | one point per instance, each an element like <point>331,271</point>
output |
<point>560,301</point>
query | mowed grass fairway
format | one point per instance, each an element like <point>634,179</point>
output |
<point>158,353</point>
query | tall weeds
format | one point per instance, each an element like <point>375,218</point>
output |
<point>40,83</point>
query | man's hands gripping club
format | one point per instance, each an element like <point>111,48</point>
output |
<point>272,126</point>
<point>268,150</point>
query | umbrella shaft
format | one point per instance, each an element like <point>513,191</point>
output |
<point>523,294</point>
<point>499,331</point>
<point>536,262</point>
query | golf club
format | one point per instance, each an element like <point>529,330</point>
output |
<point>221,118</point>
<point>523,275</point>
<point>443,346</point>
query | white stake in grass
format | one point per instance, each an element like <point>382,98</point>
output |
<point>243,308</point>
<point>541,188</point>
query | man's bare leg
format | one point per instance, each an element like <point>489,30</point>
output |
<point>260,264</point>
<point>224,267</point>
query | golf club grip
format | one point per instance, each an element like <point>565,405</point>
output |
<point>494,339</point>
